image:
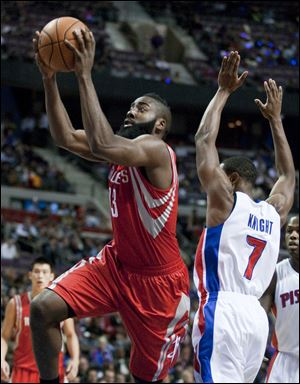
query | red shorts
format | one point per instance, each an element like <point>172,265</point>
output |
<point>23,375</point>
<point>154,306</point>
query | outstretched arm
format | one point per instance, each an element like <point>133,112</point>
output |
<point>143,151</point>
<point>212,177</point>
<point>61,128</point>
<point>282,193</point>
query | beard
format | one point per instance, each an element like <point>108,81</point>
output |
<point>136,130</point>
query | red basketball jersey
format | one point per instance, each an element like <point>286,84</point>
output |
<point>143,218</point>
<point>23,356</point>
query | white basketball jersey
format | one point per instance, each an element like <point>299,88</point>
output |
<point>286,310</point>
<point>239,255</point>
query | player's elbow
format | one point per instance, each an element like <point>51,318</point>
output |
<point>97,148</point>
<point>60,141</point>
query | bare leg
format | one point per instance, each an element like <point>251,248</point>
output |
<point>47,310</point>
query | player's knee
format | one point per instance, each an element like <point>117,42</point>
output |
<point>46,309</point>
<point>40,311</point>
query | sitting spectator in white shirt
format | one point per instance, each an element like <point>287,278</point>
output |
<point>9,250</point>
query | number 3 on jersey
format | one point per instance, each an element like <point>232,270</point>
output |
<point>113,202</point>
<point>259,246</point>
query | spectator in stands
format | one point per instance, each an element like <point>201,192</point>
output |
<point>51,251</point>
<point>42,130</point>
<point>26,229</point>
<point>83,368</point>
<point>28,124</point>
<point>26,235</point>
<point>103,353</point>
<point>92,375</point>
<point>92,218</point>
<point>157,42</point>
<point>120,378</point>
<point>194,225</point>
<point>9,250</point>
<point>109,375</point>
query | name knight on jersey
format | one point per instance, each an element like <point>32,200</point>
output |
<point>118,177</point>
<point>262,225</point>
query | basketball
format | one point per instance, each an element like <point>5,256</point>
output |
<point>52,49</point>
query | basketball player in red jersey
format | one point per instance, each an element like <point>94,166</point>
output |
<point>140,273</point>
<point>16,325</point>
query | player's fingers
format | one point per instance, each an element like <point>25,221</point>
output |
<point>275,88</point>
<point>34,43</point>
<point>280,90</point>
<point>80,40</point>
<point>242,78</point>
<point>230,62</point>
<point>233,60</point>
<point>223,64</point>
<point>39,61</point>
<point>267,88</point>
<point>92,37</point>
<point>71,46</point>
<point>272,87</point>
<point>35,40</point>
<point>236,64</point>
<point>86,38</point>
<point>259,104</point>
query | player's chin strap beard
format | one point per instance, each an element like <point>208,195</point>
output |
<point>136,130</point>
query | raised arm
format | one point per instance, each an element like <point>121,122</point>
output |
<point>282,193</point>
<point>61,128</point>
<point>211,175</point>
<point>144,151</point>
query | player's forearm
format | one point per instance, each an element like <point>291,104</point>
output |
<point>98,130</point>
<point>73,348</point>
<point>59,122</point>
<point>4,348</point>
<point>283,156</point>
<point>210,123</point>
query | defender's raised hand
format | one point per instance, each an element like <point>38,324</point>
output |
<point>84,55</point>
<point>272,107</point>
<point>228,78</point>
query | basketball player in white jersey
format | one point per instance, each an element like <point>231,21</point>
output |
<point>282,297</point>
<point>238,249</point>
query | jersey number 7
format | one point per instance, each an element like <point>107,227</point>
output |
<point>258,248</point>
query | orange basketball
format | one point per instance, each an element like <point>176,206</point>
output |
<point>51,47</point>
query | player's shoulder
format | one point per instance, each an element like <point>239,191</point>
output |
<point>283,266</point>
<point>11,305</point>
<point>155,145</point>
<point>149,139</point>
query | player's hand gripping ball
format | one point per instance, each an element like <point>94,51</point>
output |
<point>52,49</point>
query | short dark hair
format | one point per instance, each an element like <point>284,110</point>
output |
<point>165,110</point>
<point>42,260</point>
<point>156,97</point>
<point>243,166</point>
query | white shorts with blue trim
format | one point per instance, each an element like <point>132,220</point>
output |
<point>230,334</point>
